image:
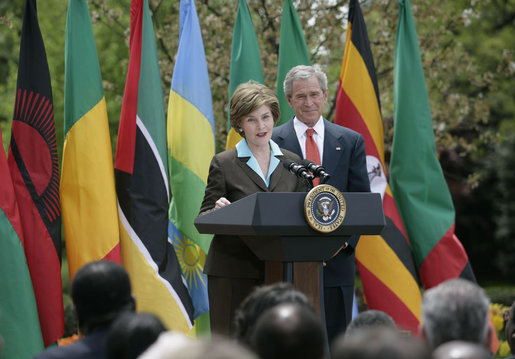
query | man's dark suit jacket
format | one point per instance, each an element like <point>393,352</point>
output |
<point>90,347</point>
<point>230,177</point>
<point>344,158</point>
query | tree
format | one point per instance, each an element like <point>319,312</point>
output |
<point>466,46</point>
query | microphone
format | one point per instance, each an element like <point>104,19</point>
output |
<point>297,170</point>
<point>317,170</point>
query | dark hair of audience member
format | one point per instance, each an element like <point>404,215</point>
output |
<point>131,334</point>
<point>258,301</point>
<point>289,331</point>
<point>100,291</point>
<point>509,330</point>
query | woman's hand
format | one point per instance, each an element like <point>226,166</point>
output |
<point>222,202</point>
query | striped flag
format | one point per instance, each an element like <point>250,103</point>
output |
<point>245,60</point>
<point>88,195</point>
<point>19,322</point>
<point>293,51</point>
<point>385,262</point>
<point>34,170</point>
<point>141,171</point>
<point>417,179</point>
<point>191,144</point>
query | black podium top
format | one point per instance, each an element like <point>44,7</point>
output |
<point>273,224</point>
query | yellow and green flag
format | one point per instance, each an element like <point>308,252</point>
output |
<point>88,195</point>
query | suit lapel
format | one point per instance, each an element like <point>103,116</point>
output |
<point>290,140</point>
<point>276,176</point>
<point>242,162</point>
<point>333,149</point>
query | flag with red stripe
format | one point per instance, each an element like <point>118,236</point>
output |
<point>141,172</point>
<point>417,179</point>
<point>385,262</point>
<point>19,322</point>
<point>34,169</point>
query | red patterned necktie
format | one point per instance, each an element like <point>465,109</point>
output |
<point>312,153</point>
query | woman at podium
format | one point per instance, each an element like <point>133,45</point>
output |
<point>254,165</point>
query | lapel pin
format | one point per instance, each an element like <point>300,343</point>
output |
<point>338,148</point>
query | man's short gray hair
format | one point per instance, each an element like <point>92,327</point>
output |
<point>303,72</point>
<point>455,310</point>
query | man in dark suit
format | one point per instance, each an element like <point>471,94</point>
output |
<point>342,152</point>
<point>101,292</point>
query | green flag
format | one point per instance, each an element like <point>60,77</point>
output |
<point>19,322</point>
<point>245,60</point>
<point>293,51</point>
<point>416,178</point>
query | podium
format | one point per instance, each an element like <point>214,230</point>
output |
<point>273,226</point>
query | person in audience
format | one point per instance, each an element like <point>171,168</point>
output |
<point>131,334</point>
<point>458,349</point>
<point>509,330</point>
<point>101,292</point>
<point>173,345</point>
<point>456,309</point>
<point>378,342</point>
<point>370,318</point>
<point>258,301</point>
<point>233,270</point>
<point>289,331</point>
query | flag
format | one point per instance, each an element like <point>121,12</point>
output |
<point>141,171</point>
<point>385,262</point>
<point>191,144</point>
<point>19,322</point>
<point>245,60</point>
<point>293,51</point>
<point>34,168</point>
<point>417,180</point>
<point>88,195</point>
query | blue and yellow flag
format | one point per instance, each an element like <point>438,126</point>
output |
<point>191,145</point>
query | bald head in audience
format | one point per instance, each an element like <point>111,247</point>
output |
<point>458,349</point>
<point>289,330</point>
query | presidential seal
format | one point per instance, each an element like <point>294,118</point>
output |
<point>324,208</point>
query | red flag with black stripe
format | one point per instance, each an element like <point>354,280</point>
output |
<point>385,262</point>
<point>34,169</point>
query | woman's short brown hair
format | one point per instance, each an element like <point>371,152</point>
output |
<point>247,98</point>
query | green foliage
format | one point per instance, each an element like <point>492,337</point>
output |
<point>466,48</point>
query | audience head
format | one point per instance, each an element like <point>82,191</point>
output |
<point>247,98</point>
<point>381,342</point>
<point>173,345</point>
<point>455,310</point>
<point>289,330</point>
<point>258,301</point>
<point>458,349</point>
<point>131,334</point>
<point>100,291</point>
<point>370,318</point>
<point>510,328</point>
